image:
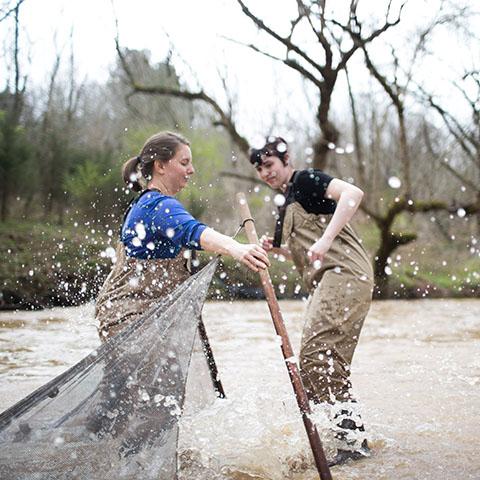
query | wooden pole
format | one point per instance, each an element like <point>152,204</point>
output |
<point>207,349</point>
<point>212,366</point>
<point>290,361</point>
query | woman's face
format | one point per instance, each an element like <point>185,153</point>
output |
<point>177,171</point>
<point>274,172</point>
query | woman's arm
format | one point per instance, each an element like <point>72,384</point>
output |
<point>253,256</point>
<point>182,229</point>
<point>348,198</point>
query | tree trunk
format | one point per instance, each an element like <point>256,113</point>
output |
<point>389,242</point>
<point>4,207</point>
<point>329,133</point>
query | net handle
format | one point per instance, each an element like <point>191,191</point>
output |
<point>289,357</point>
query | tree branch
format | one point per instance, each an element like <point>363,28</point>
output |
<point>224,119</point>
<point>239,176</point>
<point>11,10</point>
<point>319,34</point>
<point>285,41</point>
<point>289,62</point>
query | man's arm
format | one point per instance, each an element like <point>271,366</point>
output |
<point>348,198</point>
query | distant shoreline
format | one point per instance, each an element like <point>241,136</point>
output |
<point>50,265</point>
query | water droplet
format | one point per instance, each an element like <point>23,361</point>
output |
<point>140,230</point>
<point>170,232</point>
<point>394,182</point>
<point>461,212</point>
<point>279,200</point>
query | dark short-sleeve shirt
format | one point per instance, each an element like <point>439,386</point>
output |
<point>158,226</point>
<point>308,188</point>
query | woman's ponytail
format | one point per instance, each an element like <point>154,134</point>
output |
<point>131,173</point>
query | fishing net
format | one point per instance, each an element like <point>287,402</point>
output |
<point>115,414</point>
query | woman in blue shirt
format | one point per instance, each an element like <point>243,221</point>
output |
<point>157,234</point>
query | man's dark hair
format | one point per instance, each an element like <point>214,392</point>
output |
<point>274,147</point>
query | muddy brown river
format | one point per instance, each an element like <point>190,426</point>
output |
<point>416,374</point>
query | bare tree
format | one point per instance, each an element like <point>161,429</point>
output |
<point>467,136</point>
<point>224,117</point>
<point>321,67</point>
<point>12,105</point>
<point>408,200</point>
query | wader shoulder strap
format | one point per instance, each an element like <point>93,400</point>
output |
<point>130,205</point>
<point>289,198</point>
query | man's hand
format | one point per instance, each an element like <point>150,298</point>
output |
<point>317,251</point>
<point>266,243</point>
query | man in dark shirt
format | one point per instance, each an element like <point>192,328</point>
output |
<point>314,211</point>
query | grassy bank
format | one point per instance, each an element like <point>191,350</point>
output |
<point>46,265</point>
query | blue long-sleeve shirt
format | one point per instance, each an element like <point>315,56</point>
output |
<point>158,226</point>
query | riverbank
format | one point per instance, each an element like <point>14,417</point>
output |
<point>46,265</point>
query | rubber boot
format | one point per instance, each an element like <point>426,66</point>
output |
<point>345,425</point>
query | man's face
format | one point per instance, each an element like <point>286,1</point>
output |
<point>273,172</point>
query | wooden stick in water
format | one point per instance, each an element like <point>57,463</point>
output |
<point>292,367</point>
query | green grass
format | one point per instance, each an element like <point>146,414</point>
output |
<point>40,259</point>
<point>48,264</point>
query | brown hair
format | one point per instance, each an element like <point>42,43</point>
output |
<point>161,146</point>
<point>274,147</point>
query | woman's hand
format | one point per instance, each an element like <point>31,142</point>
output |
<point>317,251</point>
<point>251,255</point>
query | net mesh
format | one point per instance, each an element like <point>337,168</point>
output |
<point>115,414</point>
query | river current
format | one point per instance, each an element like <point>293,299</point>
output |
<point>416,374</point>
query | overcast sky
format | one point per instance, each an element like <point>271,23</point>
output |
<point>197,29</point>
